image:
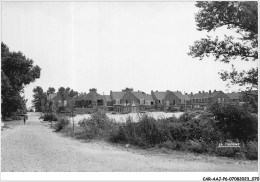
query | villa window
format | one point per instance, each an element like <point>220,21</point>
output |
<point>159,101</point>
<point>167,103</point>
<point>141,101</point>
<point>133,104</point>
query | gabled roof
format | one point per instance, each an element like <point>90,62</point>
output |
<point>93,96</point>
<point>148,97</point>
<point>117,95</point>
<point>159,95</point>
<point>139,95</point>
<point>213,94</point>
<point>181,96</point>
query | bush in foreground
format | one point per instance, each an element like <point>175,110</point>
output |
<point>61,123</point>
<point>252,150</point>
<point>50,117</point>
<point>97,126</point>
<point>188,133</point>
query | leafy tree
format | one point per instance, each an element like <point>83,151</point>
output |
<point>73,93</point>
<point>93,90</point>
<point>67,89</point>
<point>16,72</point>
<point>61,90</point>
<point>242,17</point>
<point>40,99</point>
<point>63,93</point>
<point>51,90</point>
<point>250,99</point>
<point>127,89</point>
<point>235,121</point>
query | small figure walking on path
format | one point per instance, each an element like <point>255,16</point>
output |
<point>24,119</point>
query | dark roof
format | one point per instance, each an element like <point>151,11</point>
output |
<point>148,97</point>
<point>117,95</point>
<point>139,95</point>
<point>181,96</point>
<point>234,95</point>
<point>159,95</point>
<point>204,95</point>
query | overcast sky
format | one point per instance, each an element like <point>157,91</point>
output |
<point>112,45</point>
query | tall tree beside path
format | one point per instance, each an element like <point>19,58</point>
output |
<point>16,72</point>
<point>39,99</point>
<point>240,16</point>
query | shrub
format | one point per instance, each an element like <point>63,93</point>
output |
<point>174,145</point>
<point>252,150</point>
<point>234,121</point>
<point>61,123</point>
<point>228,151</point>
<point>50,117</point>
<point>196,146</point>
<point>98,126</point>
<point>187,116</point>
<point>146,132</point>
<point>197,134</point>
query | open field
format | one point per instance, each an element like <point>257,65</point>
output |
<point>123,117</point>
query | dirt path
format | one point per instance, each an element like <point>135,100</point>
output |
<point>35,147</point>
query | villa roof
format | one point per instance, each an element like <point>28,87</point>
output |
<point>204,95</point>
<point>181,96</point>
<point>234,95</point>
<point>159,95</point>
<point>139,95</point>
<point>148,97</point>
<point>117,95</point>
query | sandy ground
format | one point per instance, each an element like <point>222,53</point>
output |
<point>122,117</point>
<point>36,147</point>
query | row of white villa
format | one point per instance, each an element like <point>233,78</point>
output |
<point>132,101</point>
